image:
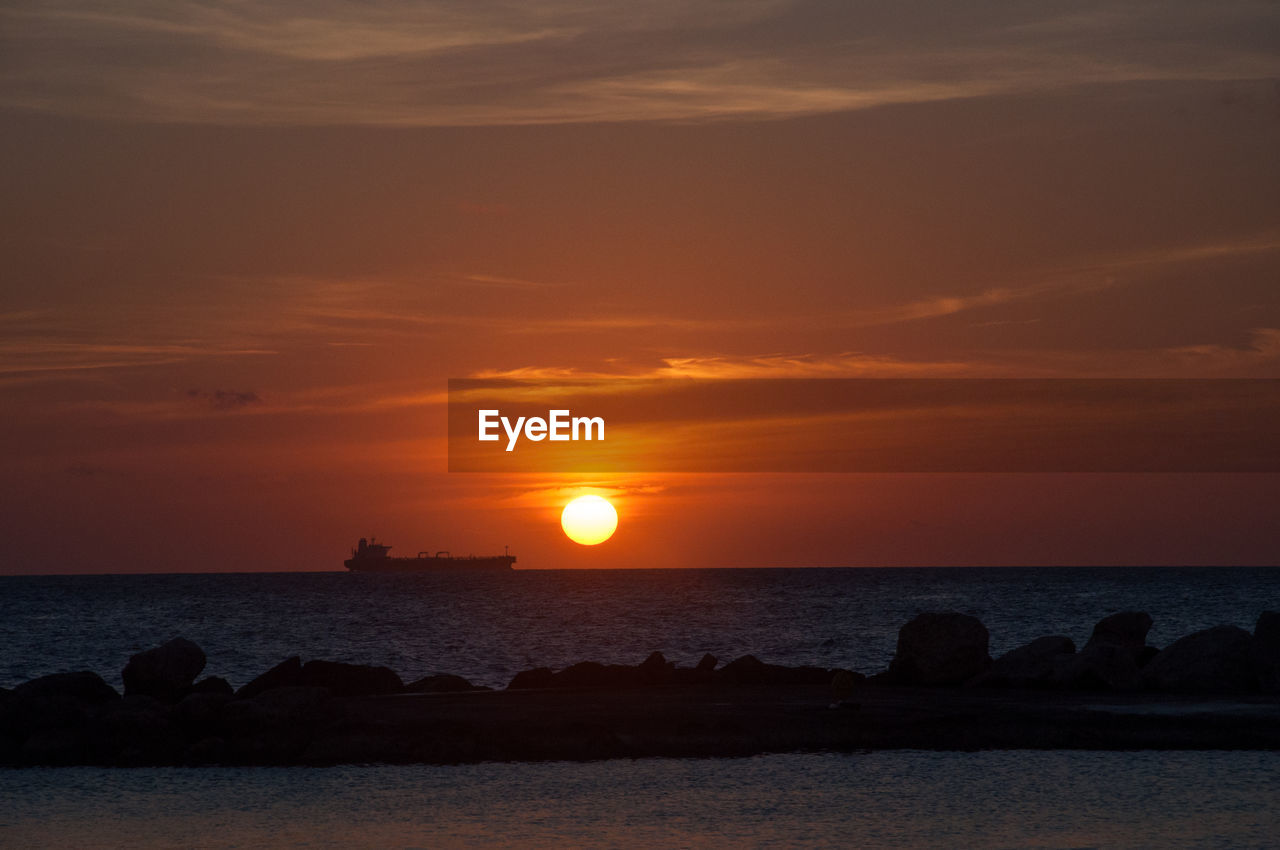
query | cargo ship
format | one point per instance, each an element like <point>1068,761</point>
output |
<point>370,556</point>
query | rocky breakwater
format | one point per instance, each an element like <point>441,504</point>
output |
<point>1216,688</point>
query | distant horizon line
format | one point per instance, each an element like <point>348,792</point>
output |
<point>675,569</point>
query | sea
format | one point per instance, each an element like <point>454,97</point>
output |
<point>489,627</point>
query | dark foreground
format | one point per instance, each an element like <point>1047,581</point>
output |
<point>300,725</point>
<point>1215,689</point>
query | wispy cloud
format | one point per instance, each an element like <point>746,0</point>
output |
<point>483,62</point>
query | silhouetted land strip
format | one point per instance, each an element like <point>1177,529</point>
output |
<point>1216,689</point>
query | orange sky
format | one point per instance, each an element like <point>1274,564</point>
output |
<point>245,248</point>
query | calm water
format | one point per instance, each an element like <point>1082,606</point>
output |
<point>891,799</point>
<point>487,628</point>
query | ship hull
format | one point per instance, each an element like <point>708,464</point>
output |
<point>495,563</point>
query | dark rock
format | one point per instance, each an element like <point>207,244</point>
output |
<point>539,677</point>
<point>210,750</point>
<point>212,685</point>
<point>1029,666</point>
<point>940,649</point>
<point>1112,659</point>
<point>275,726</point>
<point>200,712</point>
<point>655,661</point>
<point>707,664</point>
<point>1127,630</point>
<point>1148,653</point>
<point>286,674</point>
<point>1266,652</point>
<point>1217,660</point>
<point>85,688</point>
<point>1100,666</point>
<point>57,746</point>
<point>273,709</point>
<point>1267,629</point>
<point>165,672</point>
<point>590,674</point>
<point>58,701</point>
<point>137,730</point>
<point>657,670</point>
<point>351,680</point>
<point>749,670</point>
<point>441,684</point>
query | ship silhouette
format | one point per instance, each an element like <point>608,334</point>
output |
<point>369,556</point>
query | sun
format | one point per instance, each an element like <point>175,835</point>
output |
<point>589,520</point>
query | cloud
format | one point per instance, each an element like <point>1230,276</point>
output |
<point>488,62</point>
<point>225,399</point>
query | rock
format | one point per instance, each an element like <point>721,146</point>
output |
<point>58,701</point>
<point>749,670</point>
<point>1267,629</point>
<point>286,674</point>
<point>1100,666</point>
<point>85,688</point>
<point>940,649</point>
<point>212,685</point>
<point>441,684</point>
<point>1127,630</point>
<point>273,709</point>
<point>1217,660</point>
<point>1029,666</point>
<point>1266,652</point>
<point>707,664</point>
<point>590,674</point>
<point>210,750</point>
<point>351,680</point>
<point>657,670</point>
<point>539,677</point>
<point>200,712</point>
<point>745,670</point>
<point>1112,659</point>
<point>165,672</point>
<point>137,730</point>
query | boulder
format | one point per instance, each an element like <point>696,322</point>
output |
<point>657,670</point>
<point>137,730</point>
<point>212,685</point>
<point>273,710</point>
<point>1100,666</point>
<point>1266,652</point>
<point>1029,666</point>
<point>1127,630</point>
<point>85,688</point>
<point>1267,629</point>
<point>441,684</point>
<point>351,680</point>
<point>165,672</point>
<point>1217,660</point>
<point>286,674</point>
<point>749,670</point>
<point>61,700</point>
<point>707,664</point>
<point>940,649</point>
<point>1113,658</point>
<point>200,712</point>
<point>590,674</point>
<point>539,677</point>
